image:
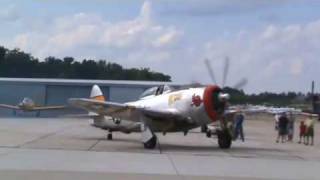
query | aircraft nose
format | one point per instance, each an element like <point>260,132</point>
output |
<point>224,96</point>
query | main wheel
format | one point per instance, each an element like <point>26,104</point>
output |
<point>151,144</point>
<point>224,139</point>
<point>209,133</point>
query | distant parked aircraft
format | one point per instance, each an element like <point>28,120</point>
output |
<point>28,105</point>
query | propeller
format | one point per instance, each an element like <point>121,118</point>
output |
<point>225,71</point>
<point>240,84</point>
<point>243,82</point>
<point>210,70</point>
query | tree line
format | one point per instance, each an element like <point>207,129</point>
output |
<point>18,64</point>
<point>268,98</point>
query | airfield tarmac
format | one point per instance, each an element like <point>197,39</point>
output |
<point>55,148</point>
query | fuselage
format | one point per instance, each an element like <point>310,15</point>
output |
<point>26,104</point>
<point>191,103</point>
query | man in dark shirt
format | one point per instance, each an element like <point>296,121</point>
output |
<point>282,131</point>
<point>238,129</point>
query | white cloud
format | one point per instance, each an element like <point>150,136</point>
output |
<point>88,35</point>
<point>275,58</point>
<point>21,41</point>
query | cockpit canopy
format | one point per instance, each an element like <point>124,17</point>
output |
<point>157,90</point>
<point>27,101</point>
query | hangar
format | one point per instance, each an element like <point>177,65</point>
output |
<point>57,91</point>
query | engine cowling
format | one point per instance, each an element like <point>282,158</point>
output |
<point>214,102</point>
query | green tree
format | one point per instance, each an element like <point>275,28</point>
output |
<point>16,63</point>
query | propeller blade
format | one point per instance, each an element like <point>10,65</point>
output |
<point>225,71</point>
<point>241,83</point>
<point>210,71</point>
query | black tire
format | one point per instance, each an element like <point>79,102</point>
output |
<point>204,128</point>
<point>109,136</point>
<point>151,144</point>
<point>209,133</point>
<point>224,139</point>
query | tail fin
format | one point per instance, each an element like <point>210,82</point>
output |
<point>97,94</point>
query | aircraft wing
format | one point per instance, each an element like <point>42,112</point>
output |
<point>39,108</point>
<point>9,106</point>
<point>124,111</point>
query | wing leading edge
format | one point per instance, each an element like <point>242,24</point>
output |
<point>9,106</point>
<point>39,108</point>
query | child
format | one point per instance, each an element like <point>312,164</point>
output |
<point>302,131</point>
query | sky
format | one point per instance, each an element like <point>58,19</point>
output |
<point>275,44</point>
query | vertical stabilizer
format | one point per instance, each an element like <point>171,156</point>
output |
<point>97,94</point>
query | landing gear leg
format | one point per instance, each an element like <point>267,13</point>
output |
<point>149,139</point>
<point>208,133</point>
<point>224,139</point>
<point>109,136</point>
<point>151,143</point>
<point>204,128</point>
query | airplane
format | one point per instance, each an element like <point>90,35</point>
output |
<point>28,105</point>
<point>160,109</point>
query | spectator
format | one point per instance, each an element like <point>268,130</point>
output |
<point>238,129</point>
<point>309,130</point>
<point>302,133</point>
<point>282,132</point>
<point>276,121</point>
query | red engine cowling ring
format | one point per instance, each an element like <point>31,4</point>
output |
<point>208,101</point>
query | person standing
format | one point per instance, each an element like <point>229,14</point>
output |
<point>276,121</point>
<point>238,129</point>
<point>282,132</point>
<point>309,130</point>
<point>302,133</point>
